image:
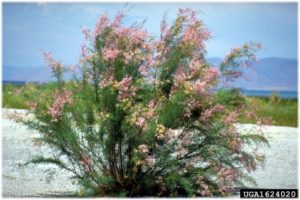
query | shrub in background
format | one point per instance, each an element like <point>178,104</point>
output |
<point>143,116</point>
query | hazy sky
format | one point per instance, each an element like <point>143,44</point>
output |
<point>56,27</point>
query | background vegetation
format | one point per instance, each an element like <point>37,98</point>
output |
<point>284,112</point>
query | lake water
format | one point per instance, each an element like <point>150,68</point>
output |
<point>256,93</point>
<point>261,93</point>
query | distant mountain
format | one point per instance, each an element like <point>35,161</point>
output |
<point>27,74</point>
<point>275,74</point>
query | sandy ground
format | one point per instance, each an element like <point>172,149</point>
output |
<point>280,170</point>
<point>32,180</point>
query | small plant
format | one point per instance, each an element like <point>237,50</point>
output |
<point>143,116</point>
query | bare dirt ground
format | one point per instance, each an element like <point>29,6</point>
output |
<point>33,180</point>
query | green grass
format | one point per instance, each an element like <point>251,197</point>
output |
<point>284,112</point>
<point>10,98</point>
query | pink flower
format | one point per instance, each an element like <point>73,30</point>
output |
<point>151,104</point>
<point>84,50</point>
<point>190,35</point>
<point>138,36</point>
<point>231,118</point>
<point>15,116</point>
<point>125,90</point>
<point>143,148</point>
<point>140,122</point>
<point>182,152</point>
<point>191,104</point>
<point>128,57</point>
<point>211,74</point>
<point>73,68</point>
<point>110,54</point>
<point>86,32</point>
<point>61,99</point>
<point>143,70</point>
<point>123,32</point>
<point>18,91</point>
<point>150,160</point>
<point>52,63</point>
<point>194,66</point>
<point>228,174</point>
<point>235,145</point>
<point>108,79</point>
<point>32,105</point>
<point>205,190</point>
<point>200,86</point>
<point>124,84</point>
<point>86,162</point>
<point>225,190</point>
<point>101,24</point>
<point>118,19</point>
<point>208,113</point>
<point>180,76</point>
<point>163,26</point>
<point>186,141</point>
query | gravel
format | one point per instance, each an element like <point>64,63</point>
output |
<point>31,180</point>
<point>280,170</point>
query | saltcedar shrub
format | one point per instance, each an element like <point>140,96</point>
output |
<point>146,116</point>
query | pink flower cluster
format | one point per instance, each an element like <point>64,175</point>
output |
<point>228,174</point>
<point>110,54</point>
<point>86,162</point>
<point>205,190</point>
<point>188,14</point>
<point>235,145</point>
<point>52,63</point>
<point>86,32</point>
<point>194,32</point>
<point>32,105</point>
<point>125,90</point>
<point>73,68</point>
<point>231,118</point>
<point>151,104</point>
<point>225,190</point>
<point>140,122</point>
<point>106,80</point>
<point>208,113</point>
<point>138,36</point>
<point>181,152</point>
<point>194,66</point>
<point>143,148</point>
<point>102,23</point>
<point>191,104</point>
<point>186,140</point>
<point>128,56</point>
<point>150,160</point>
<point>18,91</point>
<point>118,19</point>
<point>200,86</point>
<point>134,37</point>
<point>211,74</point>
<point>179,76</point>
<point>240,56</point>
<point>15,116</point>
<point>61,99</point>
